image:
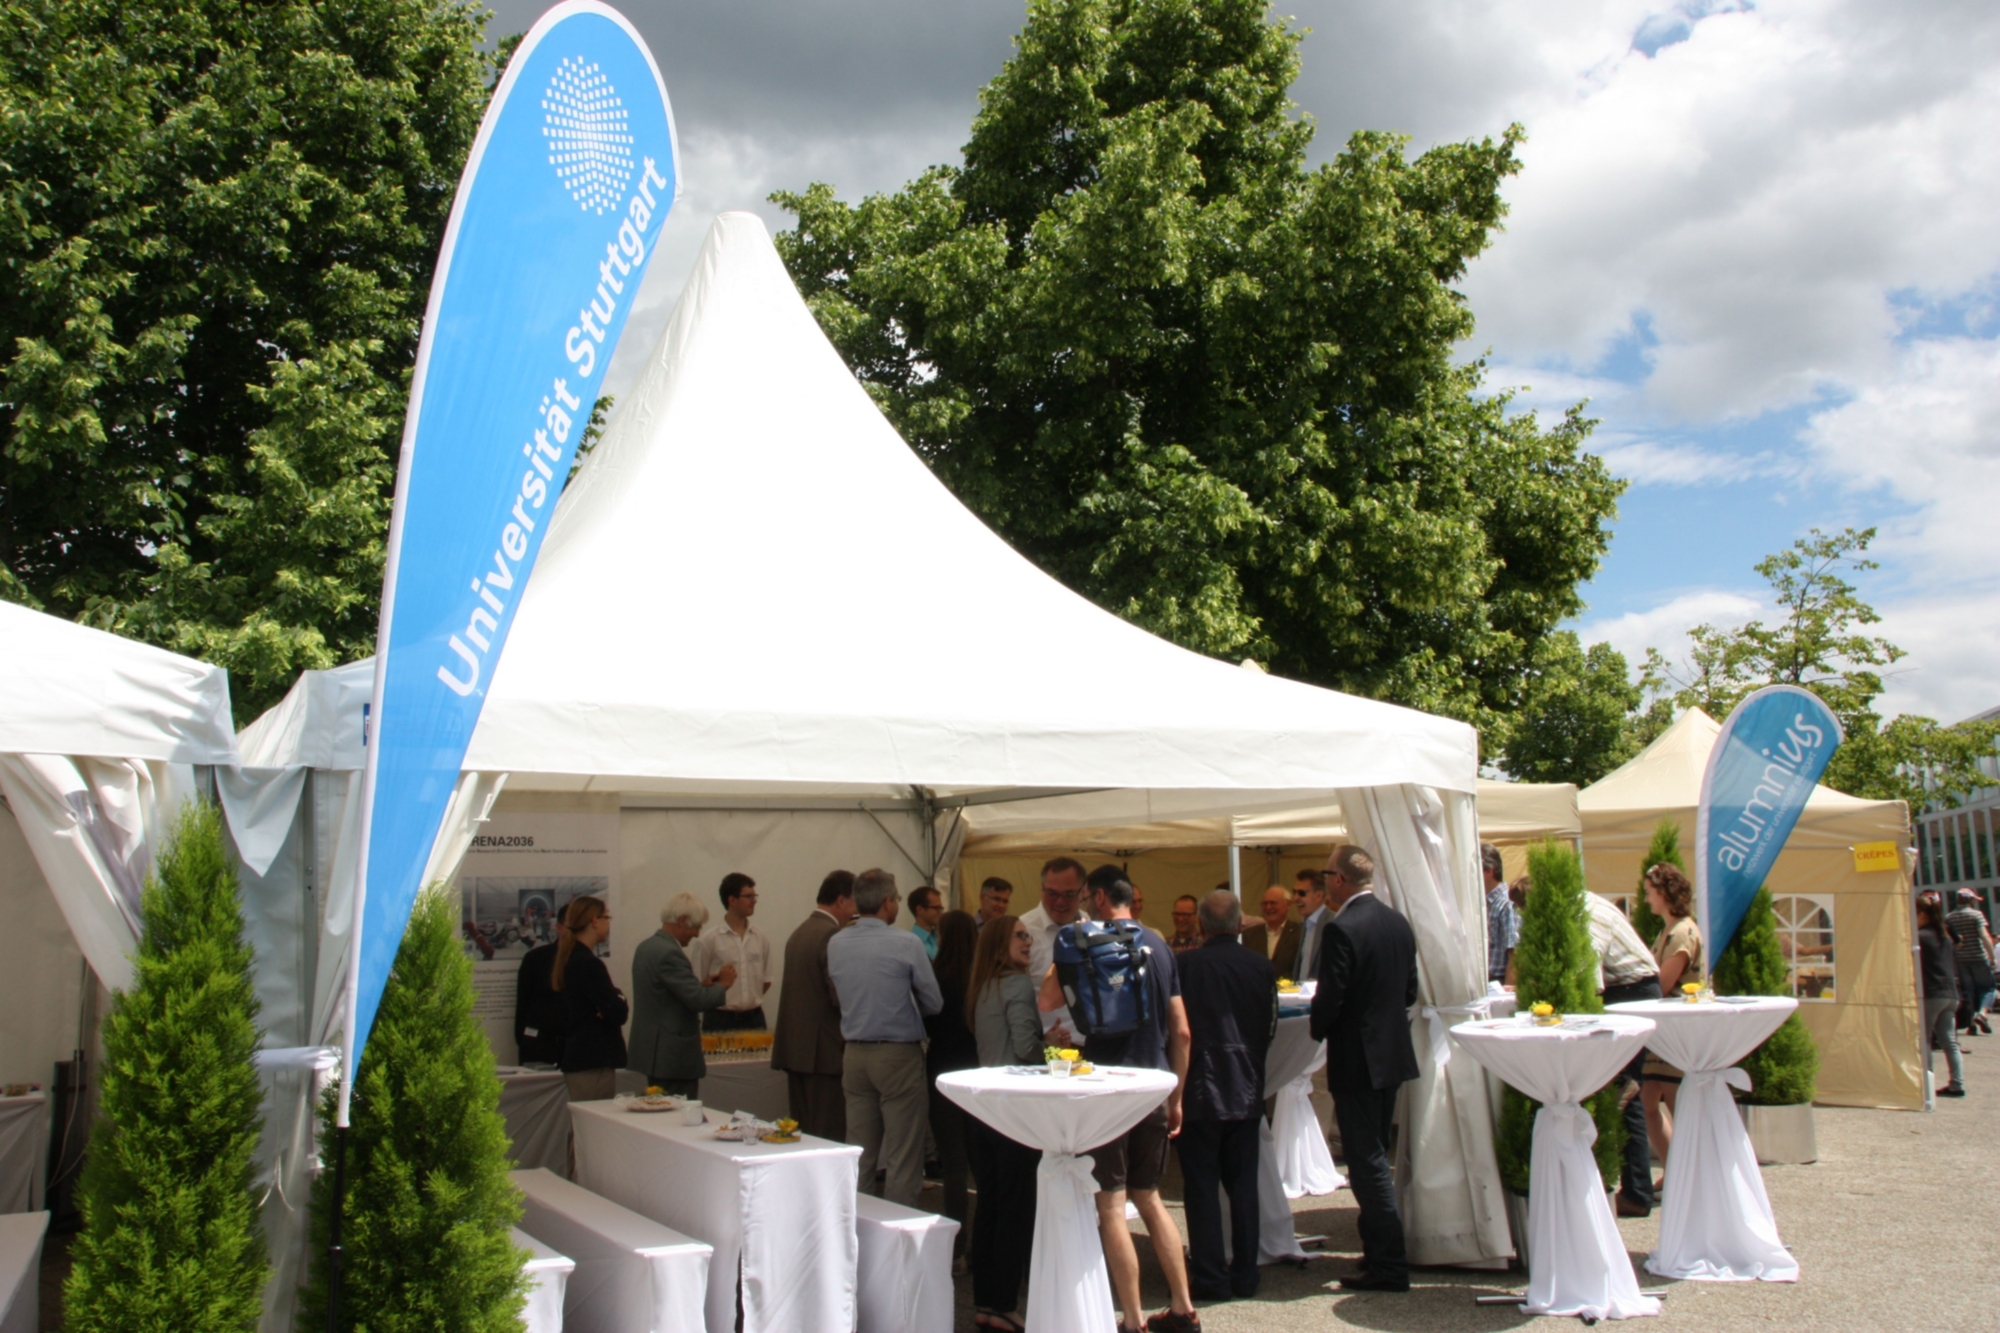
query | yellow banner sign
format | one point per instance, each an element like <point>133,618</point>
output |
<point>1877,856</point>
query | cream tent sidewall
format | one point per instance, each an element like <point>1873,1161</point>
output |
<point>41,987</point>
<point>1868,1037</point>
<point>663,852</point>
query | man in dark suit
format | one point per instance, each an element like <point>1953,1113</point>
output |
<point>668,1000</point>
<point>1367,983</point>
<point>1232,1004</point>
<point>1278,925</point>
<point>806,1043</point>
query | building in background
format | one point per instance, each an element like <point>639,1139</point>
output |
<point>1960,848</point>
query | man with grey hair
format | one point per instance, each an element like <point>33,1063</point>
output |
<point>886,986</point>
<point>1367,983</point>
<point>1231,993</point>
<point>668,1000</point>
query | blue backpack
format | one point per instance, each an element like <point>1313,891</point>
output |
<point>1101,966</point>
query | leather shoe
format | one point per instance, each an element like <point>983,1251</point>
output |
<point>1374,1282</point>
<point>1626,1208</point>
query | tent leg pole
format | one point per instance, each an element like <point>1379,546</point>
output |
<point>1236,871</point>
<point>335,1258</point>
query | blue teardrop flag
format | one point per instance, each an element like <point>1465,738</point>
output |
<point>557,216</point>
<point>1765,764</point>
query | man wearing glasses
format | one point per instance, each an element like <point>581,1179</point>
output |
<point>1062,905</point>
<point>734,943</point>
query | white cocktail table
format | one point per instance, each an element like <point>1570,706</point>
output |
<point>781,1217</point>
<point>1715,1222</point>
<point>1068,1288</point>
<point>1576,1258</point>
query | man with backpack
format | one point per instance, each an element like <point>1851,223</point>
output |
<point>1120,984</point>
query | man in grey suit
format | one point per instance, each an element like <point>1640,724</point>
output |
<point>668,1000</point>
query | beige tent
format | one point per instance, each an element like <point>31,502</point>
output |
<point>1166,860</point>
<point>1849,932</point>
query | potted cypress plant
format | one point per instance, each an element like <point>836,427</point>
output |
<point>429,1204</point>
<point>170,1237</point>
<point>1554,962</point>
<point>1778,1108</point>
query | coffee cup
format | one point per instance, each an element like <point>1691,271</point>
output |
<point>691,1113</point>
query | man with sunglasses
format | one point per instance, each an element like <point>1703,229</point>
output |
<point>1309,898</point>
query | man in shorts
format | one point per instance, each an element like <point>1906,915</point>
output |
<point>1130,1166</point>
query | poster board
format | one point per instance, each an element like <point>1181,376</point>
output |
<point>522,870</point>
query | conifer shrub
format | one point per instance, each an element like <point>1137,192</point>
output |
<point>1782,1070</point>
<point>429,1204</point>
<point>170,1237</point>
<point>1666,846</point>
<point>1556,962</point>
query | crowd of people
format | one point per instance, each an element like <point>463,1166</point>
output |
<point>870,1017</point>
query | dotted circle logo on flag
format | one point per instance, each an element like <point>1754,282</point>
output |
<point>585,124</point>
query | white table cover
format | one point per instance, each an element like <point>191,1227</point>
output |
<point>1715,1222</point>
<point>784,1213</point>
<point>1576,1258</point>
<point>1304,1164</point>
<point>904,1271</point>
<point>24,1151</point>
<point>21,1270</point>
<point>1069,1290</point>
<point>633,1275</point>
<point>547,1271</point>
<point>534,1103</point>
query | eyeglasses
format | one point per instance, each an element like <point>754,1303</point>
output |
<point>1024,935</point>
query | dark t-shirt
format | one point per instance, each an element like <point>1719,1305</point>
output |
<point>1147,1047</point>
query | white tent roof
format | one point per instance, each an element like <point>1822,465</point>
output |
<point>72,690</point>
<point>317,724</point>
<point>733,583</point>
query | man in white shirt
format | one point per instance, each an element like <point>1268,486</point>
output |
<point>1309,898</point>
<point>1062,905</point>
<point>734,942</point>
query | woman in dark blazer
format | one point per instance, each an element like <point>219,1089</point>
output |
<point>594,1047</point>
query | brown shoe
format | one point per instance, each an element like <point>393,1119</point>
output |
<point>1626,1208</point>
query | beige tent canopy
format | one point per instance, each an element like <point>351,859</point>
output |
<point>1848,932</point>
<point>1166,860</point>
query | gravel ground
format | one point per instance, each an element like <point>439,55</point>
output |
<point>1889,1226</point>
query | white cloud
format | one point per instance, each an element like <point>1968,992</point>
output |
<point>1953,670</point>
<point>1652,463</point>
<point>1666,626</point>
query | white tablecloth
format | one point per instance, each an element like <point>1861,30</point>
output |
<point>784,1212</point>
<point>24,1151</point>
<point>535,1105</point>
<point>1576,1258</point>
<point>548,1270</point>
<point>633,1275</point>
<point>904,1273</point>
<point>1068,1288</point>
<point>21,1271</point>
<point>1304,1165</point>
<point>1715,1223</point>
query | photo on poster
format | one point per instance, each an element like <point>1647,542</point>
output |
<point>504,916</point>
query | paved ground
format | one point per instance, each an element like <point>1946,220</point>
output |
<point>1892,1228</point>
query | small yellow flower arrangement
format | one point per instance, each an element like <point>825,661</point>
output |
<point>1545,1014</point>
<point>655,1090</point>
<point>1287,986</point>
<point>1062,1059</point>
<point>1691,991</point>
<point>786,1131</point>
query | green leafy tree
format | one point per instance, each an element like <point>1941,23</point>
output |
<point>1556,963</point>
<point>429,1203</point>
<point>1206,386</point>
<point>170,1238</point>
<point>1665,847</point>
<point>1820,642</point>
<point>1781,1070</point>
<point>219,229</point>
<point>1573,722</point>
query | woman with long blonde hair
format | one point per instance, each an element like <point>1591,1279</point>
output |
<point>594,1049</point>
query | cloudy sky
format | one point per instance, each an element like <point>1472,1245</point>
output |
<point>1762,239</point>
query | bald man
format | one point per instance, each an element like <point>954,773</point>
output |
<point>1276,937</point>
